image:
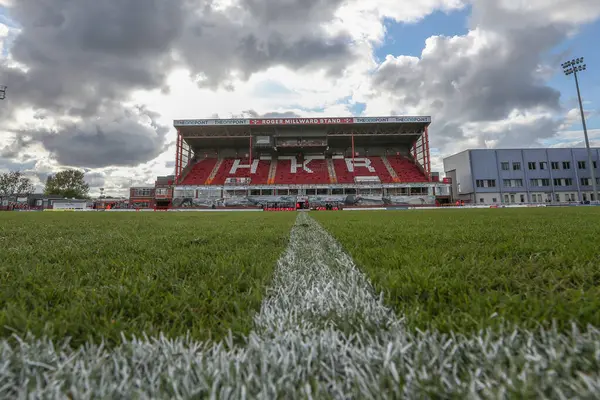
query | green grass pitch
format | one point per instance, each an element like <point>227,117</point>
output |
<point>466,270</point>
<point>95,275</point>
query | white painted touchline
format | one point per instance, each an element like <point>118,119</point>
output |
<point>297,350</point>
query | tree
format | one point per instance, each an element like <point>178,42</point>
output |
<point>15,184</point>
<point>68,184</point>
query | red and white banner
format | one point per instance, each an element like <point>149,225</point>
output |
<point>302,121</point>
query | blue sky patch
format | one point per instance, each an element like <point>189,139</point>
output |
<point>585,45</point>
<point>409,38</point>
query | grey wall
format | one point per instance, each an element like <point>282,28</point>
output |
<point>472,165</point>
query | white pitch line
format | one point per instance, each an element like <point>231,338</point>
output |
<point>300,350</point>
<point>316,280</point>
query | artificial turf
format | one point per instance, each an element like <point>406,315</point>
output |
<point>465,270</point>
<point>97,275</point>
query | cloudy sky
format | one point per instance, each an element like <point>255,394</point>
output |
<point>96,84</point>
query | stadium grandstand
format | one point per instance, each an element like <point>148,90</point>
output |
<point>303,163</point>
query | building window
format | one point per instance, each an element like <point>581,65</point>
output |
<point>595,164</point>
<point>481,200</point>
<point>493,200</point>
<point>597,181</point>
<point>543,165</point>
<point>563,182</point>
<point>566,165</point>
<point>584,195</point>
<point>581,164</point>
<point>522,197</point>
<point>485,183</point>
<point>142,192</point>
<point>531,165</point>
<point>506,198</point>
<point>512,182</point>
<point>539,182</point>
<point>557,197</point>
<point>555,165</point>
<point>516,166</point>
<point>505,166</point>
<point>585,181</point>
<point>539,197</point>
<point>162,192</point>
<point>512,198</point>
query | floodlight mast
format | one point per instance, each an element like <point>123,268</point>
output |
<point>572,68</point>
<point>2,92</point>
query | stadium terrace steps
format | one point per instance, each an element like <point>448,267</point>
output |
<point>407,170</point>
<point>185,172</point>
<point>214,171</point>
<point>391,169</point>
<point>331,169</point>
<point>200,172</point>
<point>309,172</point>
<point>256,170</point>
<point>382,170</point>
<point>272,172</point>
<point>369,166</point>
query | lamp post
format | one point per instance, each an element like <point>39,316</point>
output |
<point>2,92</point>
<point>572,68</point>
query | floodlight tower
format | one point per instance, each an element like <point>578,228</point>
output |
<point>2,92</point>
<point>572,68</point>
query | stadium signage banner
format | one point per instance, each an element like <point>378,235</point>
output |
<point>391,120</point>
<point>302,121</point>
<point>211,122</point>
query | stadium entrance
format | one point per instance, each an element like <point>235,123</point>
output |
<point>304,163</point>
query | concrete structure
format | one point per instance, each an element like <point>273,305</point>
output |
<point>552,175</point>
<point>159,196</point>
<point>141,197</point>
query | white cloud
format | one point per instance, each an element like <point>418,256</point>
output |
<point>483,89</point>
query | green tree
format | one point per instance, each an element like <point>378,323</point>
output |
<point>14,184</point>
<point>68,183</point>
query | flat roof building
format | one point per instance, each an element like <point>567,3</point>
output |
<point>505,176</point>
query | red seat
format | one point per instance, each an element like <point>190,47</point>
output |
<point>259,178</point>
<point>382,171</point>
<point>200,172</point>
<point>319,174</point>
<point>406,170</point>
<point>345,176</point>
